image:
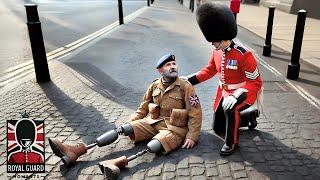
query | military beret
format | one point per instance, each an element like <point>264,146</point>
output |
<point>164,59</point>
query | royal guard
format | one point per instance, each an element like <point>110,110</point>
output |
<point>240,82</point>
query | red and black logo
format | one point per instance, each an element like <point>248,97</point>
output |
<point>25,145</point>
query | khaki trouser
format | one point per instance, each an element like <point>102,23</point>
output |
<point>145,131</point>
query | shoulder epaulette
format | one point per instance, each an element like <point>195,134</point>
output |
<point>155,83</point>
<point>184,81</point>
<point>155,80</point>
<point>240,49</point>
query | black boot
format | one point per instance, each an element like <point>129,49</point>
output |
<point>228,150</point>
<point>253,120</point>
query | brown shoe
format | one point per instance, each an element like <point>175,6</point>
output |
<point>68,154</point>
<point>111,168</point>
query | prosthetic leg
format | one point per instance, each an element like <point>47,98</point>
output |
<point>70,153</point>
<point>111,168</point>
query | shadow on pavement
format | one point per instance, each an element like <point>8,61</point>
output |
<point>307,81</point>
<point>284,59</point>
<point>86,121</point>
<point>260,152</point>
<point>107,86</point>
<point>275,160</point>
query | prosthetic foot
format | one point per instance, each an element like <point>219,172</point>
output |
<point>69,154</point>
<point>111,168</point>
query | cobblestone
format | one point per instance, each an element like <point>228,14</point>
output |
<point>53,160</point>
<point>169,167</point>
<point>154,172</point>
<point>224,170</point>
<point>236,166</point>
<point>183,172</point>
<point>183,164</point>
<point>139,175</point>
<point>195,171</point>
<point>198,178</point>
<point>168,175</point>
<point>212,172</point>
<point>240,174</point>
<point>195,159</point>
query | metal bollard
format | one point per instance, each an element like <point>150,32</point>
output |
<point>192,5</point>
<point>121,12</point>
<point>37,45</point>
<point>267,45</point>
<point>294,65</point>
<point>148,2</point>
<point>181,1</point>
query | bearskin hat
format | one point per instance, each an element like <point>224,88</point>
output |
<point>216,22</point>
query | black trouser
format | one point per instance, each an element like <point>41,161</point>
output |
<point>226,123</point>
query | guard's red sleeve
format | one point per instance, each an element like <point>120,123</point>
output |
<point>252,74</point>
<point>207,72</point>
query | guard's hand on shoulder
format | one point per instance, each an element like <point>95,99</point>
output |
<point>192,78</point>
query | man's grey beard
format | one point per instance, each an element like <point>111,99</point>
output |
<point>170,75</point>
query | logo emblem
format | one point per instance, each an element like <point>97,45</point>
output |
<point>25,145</point>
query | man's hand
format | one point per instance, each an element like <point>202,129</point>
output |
<point>188,144</point>
<point>229,102</point>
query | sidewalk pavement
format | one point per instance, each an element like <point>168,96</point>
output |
<point>255,19</point>
<point>76,108</point>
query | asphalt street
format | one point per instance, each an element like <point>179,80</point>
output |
<point>62,22</point>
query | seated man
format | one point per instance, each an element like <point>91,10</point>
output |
<point>174,119</point>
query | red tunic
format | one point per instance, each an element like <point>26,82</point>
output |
<point>26,157</point>
<point>236,67</point>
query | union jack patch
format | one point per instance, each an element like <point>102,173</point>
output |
<point>194,100</point>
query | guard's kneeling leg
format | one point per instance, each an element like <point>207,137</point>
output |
<point>154,146</point>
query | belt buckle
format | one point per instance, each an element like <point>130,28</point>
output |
<point>224,86</point>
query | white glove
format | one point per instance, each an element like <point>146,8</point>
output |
<point>229,102</point>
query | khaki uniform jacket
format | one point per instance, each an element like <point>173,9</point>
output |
<point>179,96</point>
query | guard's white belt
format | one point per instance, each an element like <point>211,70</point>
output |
<point>231,86</point>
